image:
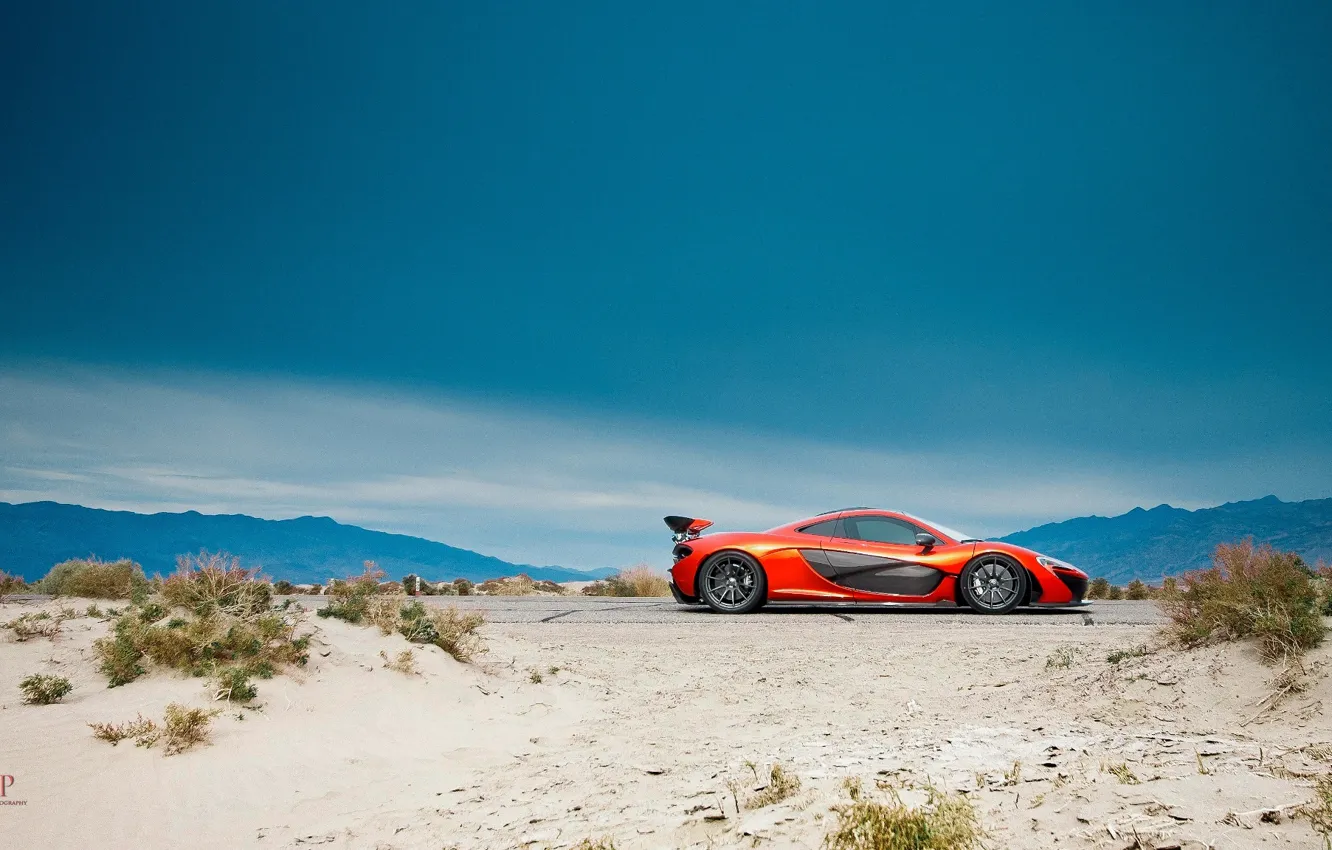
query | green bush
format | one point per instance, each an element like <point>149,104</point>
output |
<point>1099,589</point>
<point>283,587</point>
<point>96,579</point>
<point>350,598</point>
<point>43,690</point>
<point>463,587</point>
<point>257,644</point>
<point>233,684</point>
<point>1250,592</point>
<point>1136,590</point>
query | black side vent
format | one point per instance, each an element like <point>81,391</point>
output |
<point>680,552</point>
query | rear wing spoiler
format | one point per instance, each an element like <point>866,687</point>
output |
<point>685,527</point>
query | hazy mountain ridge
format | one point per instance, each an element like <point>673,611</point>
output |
<point>1148,544</point>
<point>36,535</point>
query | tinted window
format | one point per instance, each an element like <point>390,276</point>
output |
<point>822,529</point>
<point>880,529</point>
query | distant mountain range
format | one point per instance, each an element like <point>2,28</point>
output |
<point>37,535</point>
<point>1145,544</point>
<point>1149,544</point>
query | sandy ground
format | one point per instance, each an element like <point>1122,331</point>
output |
<point>646,734</point>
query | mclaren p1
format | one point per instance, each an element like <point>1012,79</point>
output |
<point>863,555</point>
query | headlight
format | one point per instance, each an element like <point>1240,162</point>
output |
<point>1051,563</point>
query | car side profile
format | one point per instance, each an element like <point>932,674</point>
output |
<point>863,555</point>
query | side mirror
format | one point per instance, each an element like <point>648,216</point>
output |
<point>925,541</point>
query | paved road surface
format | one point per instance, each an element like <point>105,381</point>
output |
<point>591,609</point>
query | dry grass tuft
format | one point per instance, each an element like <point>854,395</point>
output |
<point>446,628</point>
<point>96,579</point>
<point>39,689</point>
<point>35,624</point>
<point>1122,772</point>
<point>1253,592</point>
<point>182,728</point>
<point>781,785</point>
<point>1319,812</point>
<point>216,581</point>
<point>404,662</point>
<point>141,729</point>
<point>945,822</point>
<point>595,844</point>
<point>641,580</point>
<point>186,727</point>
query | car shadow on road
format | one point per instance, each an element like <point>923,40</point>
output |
<point>870,609</point>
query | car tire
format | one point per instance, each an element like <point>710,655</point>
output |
<point>992,584</point>
<point>732,583</point>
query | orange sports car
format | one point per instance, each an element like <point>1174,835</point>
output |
<point>863,555</point>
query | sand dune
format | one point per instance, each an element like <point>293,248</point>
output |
<point>644,733</point>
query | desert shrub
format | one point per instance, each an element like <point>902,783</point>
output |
<point>184,727</point>
<point>39,689</point>
<point>151,612</point>
<point>519,585</point>
<point>233,685</point>
<point>257,644</point>
<point>1099,589</point>
<point>945,822</point>
<point>119,654</point>
<point>350,598</point>
<point>1136,589</point>
<point>463,587</point>
<point>35,624</point>
<point>781,785</point>
<point>1253,592</point>
<point>1169,587</point>
<point>143,730</point>
<point>411,584</point>
<point>1116,593</point>
<point>635,581</point>
<point>216,581</point>
<point>10,584</point>
<point>96,579</point>
<point>1060,659</point>
<point>446,628</point>
<point>282,587</point>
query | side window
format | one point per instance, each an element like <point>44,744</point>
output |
<point>820,529</point>
<point>881,529</point>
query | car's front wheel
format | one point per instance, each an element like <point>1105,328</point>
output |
<point>733,583</point>
<point>992,584</point>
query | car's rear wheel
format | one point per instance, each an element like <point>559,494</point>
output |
<point>732,583</point>
<point>992,584</point>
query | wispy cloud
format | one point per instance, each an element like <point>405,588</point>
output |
<point>570,487</point>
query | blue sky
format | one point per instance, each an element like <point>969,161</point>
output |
<point>1002,262</point>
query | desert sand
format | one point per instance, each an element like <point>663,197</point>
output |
<point>647,734</point>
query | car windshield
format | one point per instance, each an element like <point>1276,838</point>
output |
<point>959,536</point>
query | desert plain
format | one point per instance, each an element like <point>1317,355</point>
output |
<point>664,735</point>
